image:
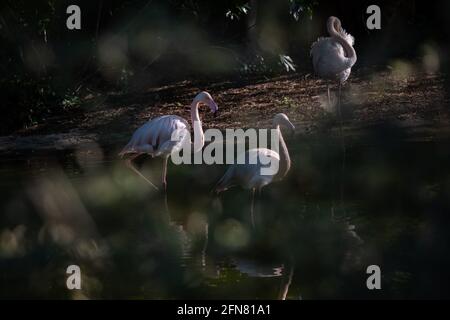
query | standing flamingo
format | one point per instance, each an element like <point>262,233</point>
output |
<point>249,175</point>
<point>154,137</point>
<point>333,57</point>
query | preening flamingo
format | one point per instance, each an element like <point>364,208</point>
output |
<point>333,57</point>
<point>249,175</point>
<point>154,137</point>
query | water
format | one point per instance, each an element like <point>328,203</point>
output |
<point>85,207</point>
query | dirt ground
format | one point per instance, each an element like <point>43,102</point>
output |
<point>412,99</point>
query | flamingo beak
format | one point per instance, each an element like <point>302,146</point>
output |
<point>215,109</point>
<point>292,129</point>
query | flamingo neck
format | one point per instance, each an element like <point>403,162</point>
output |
<point>199,138</point>
<point>285,159</point>
<point>350,53</point>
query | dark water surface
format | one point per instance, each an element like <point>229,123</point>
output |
<point>317,230</point>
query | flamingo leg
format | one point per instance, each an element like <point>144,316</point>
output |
<point>286,281</point>
<point>164,174</point>
<point>329,97</point>
<point>205,245</point>
<point>343,147</point>
<point>339,103</point>
<point>258,205</point>
<point>339,111</point>
<point>131,165</point>
<point>252,208</point>
<point>164,183</point>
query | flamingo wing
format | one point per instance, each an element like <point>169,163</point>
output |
<point>327,55</point>
<point>154,137</point>
<point>247,171</point>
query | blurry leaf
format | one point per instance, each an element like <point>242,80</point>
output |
<point>297,7</point>
<point>237,12</point>
<point>287,62</point>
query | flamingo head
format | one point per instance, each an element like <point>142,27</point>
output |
<point>334,26</point>
<point>205,98</point>
<point>334,23</point>
<point>281,119</point>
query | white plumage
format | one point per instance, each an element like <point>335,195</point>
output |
<point>329,57</point>
<point>333,57</point>
<point>248,174</point>
<point>156,137</point>
<point>247,171</point>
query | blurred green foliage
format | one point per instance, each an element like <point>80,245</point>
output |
<point>46,63</point>
<point>125,45</point>
<point>83,206</point>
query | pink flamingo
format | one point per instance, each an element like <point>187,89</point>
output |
<point>155,137</point>
<point>333,57</point>
<point>249,175</point>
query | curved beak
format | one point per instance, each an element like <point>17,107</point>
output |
<point>215,108</point>
<point>291,129</point>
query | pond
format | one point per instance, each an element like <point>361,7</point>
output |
<point>385,203</point>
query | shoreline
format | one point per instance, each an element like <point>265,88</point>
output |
<point>415,104</point>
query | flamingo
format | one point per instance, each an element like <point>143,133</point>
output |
<point>249,175</point>
<point>333,57</point>
<point>154,137</point>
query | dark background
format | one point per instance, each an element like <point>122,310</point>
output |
<point>45,64</point>
<point>397,189</point>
